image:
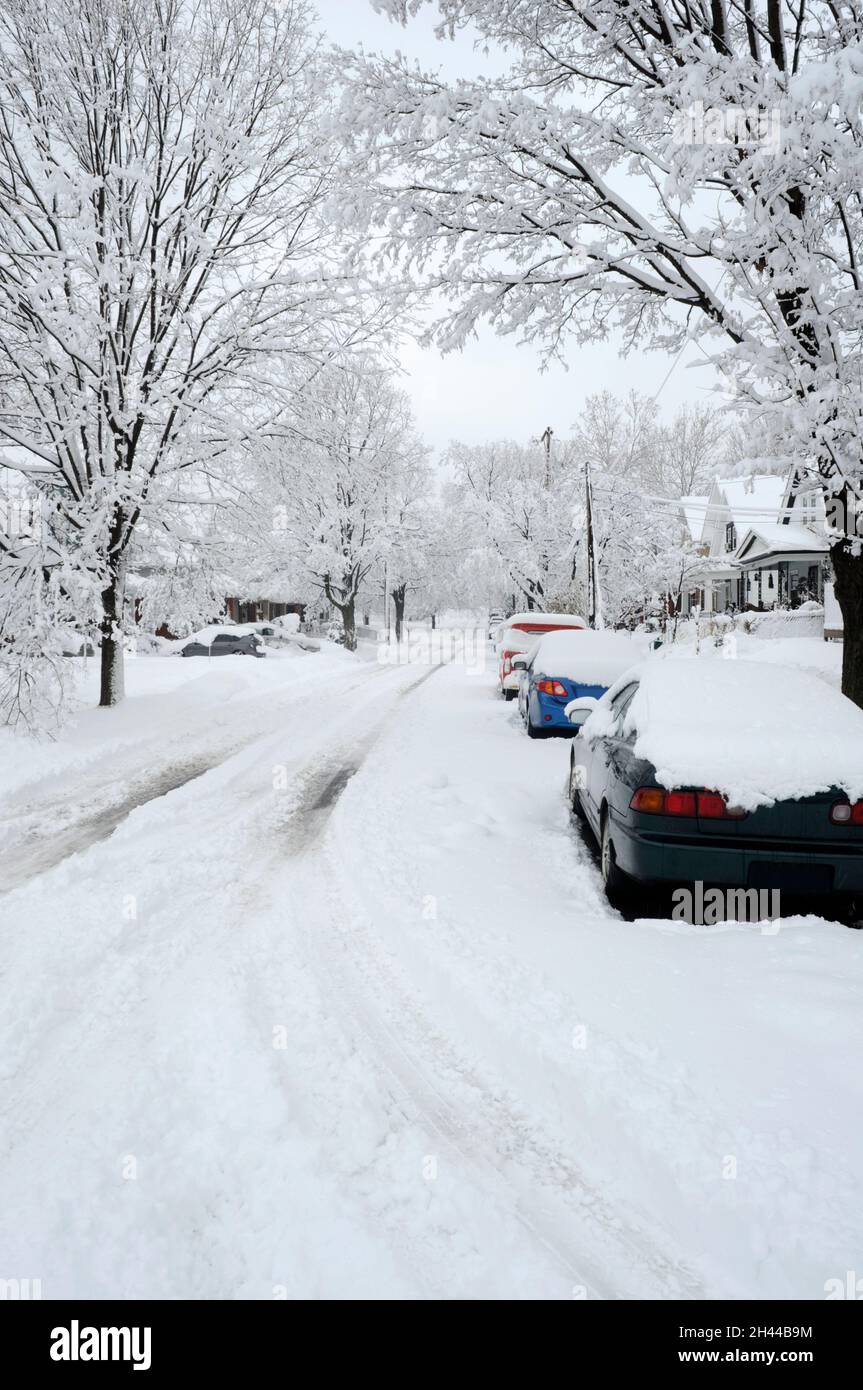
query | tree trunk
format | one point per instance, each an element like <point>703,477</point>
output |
<point>398,597</point>
<point>349,622</point>
<point>112,683</point>
<point>848,572</point>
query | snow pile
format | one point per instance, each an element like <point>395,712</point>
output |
<point>805,621</point>
<point>756,732</point>
<point>590,658</point>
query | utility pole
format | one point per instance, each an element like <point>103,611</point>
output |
<point>592,596</point>
<point>545,439</point>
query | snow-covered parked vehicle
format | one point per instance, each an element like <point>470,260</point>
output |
<point>563,666</point>
<point>730,773</point>
<point>226,644</point>
<point>518,634</point>
<point>277,634</point>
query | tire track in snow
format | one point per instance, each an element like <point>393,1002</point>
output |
<point>527,1176</point>
<point>430,1087</point>
<point>38,853</point>
<point>322,784</point>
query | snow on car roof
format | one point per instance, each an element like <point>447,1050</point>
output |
<point>543,619</point>
<point>592,658</point>
<point>758,733</point>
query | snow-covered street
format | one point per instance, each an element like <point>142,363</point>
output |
<point>316,994</point>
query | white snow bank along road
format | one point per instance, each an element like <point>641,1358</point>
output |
<point>698,1079</point>
<point>347,1016</point>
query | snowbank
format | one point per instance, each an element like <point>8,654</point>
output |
<point>754,731</point>
<point>807,621</point>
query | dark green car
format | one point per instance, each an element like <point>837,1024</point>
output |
<point>654,830</point>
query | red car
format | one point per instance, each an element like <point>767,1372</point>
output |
<point>518,634</point>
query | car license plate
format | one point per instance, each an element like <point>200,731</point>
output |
<point>793,878</point>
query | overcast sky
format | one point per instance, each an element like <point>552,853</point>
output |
<point>493,388</point>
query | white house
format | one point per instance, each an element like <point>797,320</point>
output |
<point>762,545</point>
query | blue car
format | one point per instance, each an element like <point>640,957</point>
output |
<point>565,666</point>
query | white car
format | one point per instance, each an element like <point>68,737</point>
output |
<point>518,635</point>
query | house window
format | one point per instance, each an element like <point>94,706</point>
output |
<point>730,536</point>
<point>770,583</point>
<point>808,504</point>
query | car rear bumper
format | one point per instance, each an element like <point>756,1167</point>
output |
<point>551,713</point>
<point>797,870</point>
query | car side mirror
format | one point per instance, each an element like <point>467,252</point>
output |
<point>577,711</point>
<point>519,663</point>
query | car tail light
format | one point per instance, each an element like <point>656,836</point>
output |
<point>648,799</point>
<point>844,813</point>
<point>507,663</point>
<point>551,687</point>
<point>711,805</point>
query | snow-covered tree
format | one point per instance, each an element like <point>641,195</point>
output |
<point>411,531</point>
<point>626,436</point>
<point>658,170</point>
<point>636,460</point>
<point>329,496</point>
<point>160,167</point>
<point>696,445</point>
<point>521,500</point>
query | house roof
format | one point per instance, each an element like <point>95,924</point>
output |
<point>753,499</point>
<point>744,501</point>
<point>772,538</point>
<point>694,511</point>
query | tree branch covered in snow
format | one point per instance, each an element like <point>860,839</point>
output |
<point>161,167</point>
<point>660,171</point>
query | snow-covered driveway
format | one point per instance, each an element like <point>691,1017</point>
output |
<point>346,1015</point>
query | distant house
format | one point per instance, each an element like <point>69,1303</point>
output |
<point>262,610</point>
<point>762,545</point>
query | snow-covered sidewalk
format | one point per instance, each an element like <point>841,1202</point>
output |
<point>347,1015</point>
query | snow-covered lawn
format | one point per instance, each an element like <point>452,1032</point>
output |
<point>347,1015</point>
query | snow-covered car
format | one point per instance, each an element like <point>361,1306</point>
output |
<point>495,618</point>
<point>226,644</point>
<point>563,666</point>
<point>518,634</point>
<point>731,773</point>
<point>277,635</point>
<point>74,643</point>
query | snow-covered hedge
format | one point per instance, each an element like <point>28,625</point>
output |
<point>805,621</point>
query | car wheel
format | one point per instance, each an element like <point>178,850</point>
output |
<point>615,882</point>
<point>532,730</point>
<point>509,694</point>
